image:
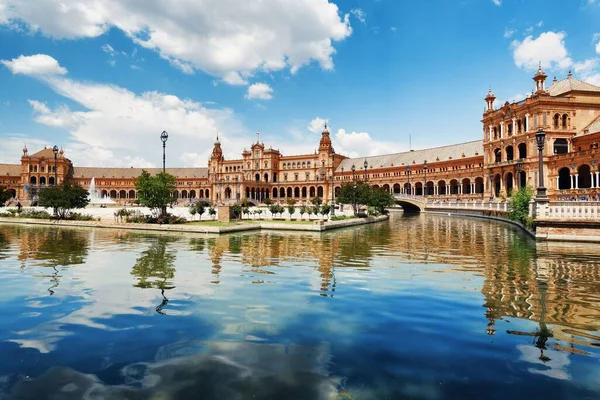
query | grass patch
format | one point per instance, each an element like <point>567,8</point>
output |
<point>213,223</point>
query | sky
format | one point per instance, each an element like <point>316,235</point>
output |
<point>104,78</point>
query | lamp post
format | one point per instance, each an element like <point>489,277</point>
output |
<point>353,189</point>
<point>408,178</point>
<point>55,151</point>
<point>332,191</point>
<point>163,137</point>
<point>540,138</point>
<point>519,169</point>
<point>366,164</point>
<point>425,171</point>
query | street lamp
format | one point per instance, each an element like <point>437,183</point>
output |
<point>354,189</point>
<point>425,171</point>
<point>366,164</point>
<point>519,169</point>
<point>408,177</point>
<point>163,137</point>
<point>55,151</point>
<point>332,191</point>
<point>540,138</point>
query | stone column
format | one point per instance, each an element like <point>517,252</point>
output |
<point>501,130</point>
<point>576,181</point>
<point>557,178</point>
<point>597,176</point>
<point>527,122</point>
<point>514,126</point>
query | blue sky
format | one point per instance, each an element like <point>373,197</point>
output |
<point>104,78</point>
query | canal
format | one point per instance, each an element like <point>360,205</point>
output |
<point>420,307</point>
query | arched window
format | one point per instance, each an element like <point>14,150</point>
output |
<point>51,180</point>
<point>42,180</point>
<point>257,177</point>
<point>497,155</point>
<point>522,150</point>
<point>585,176</point>
<point>556,120</point>
<point>266,177</point>
<point>561,146</point>
<point>565,118</point>
<point>509,153</point>
<point>564,178</point>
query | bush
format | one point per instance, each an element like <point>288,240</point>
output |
<point>82,217</point>
<point>338,218</point>
<point>34,214</point>
<point>518,206</point>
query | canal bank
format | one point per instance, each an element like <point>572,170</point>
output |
<point>316,226</point>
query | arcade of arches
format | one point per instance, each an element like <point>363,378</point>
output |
<point>504,160</point>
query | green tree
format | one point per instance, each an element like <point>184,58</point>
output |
<point>4,195</point>
<point>518,206</point>
<point>268,201</point>
<point>355,193</point>
<point>236,210</point>
<point>291,206</point>
<point>193,211</point>
<point>380,199</point>
<point>316,201</point>
<point>303,210</point>
<point>274,209</point>
<point>325,209</point>
<point>63,198</point>
<point>212,212</point>
<point>154,191</point>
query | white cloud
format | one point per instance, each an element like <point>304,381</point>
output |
<point>113,126</point>
<point>107,48</point>
<point>589,70</point>
<point>260,91</point>
<point>393,29</point>
<point>218,37</point>
<point>359,14</point>
<point>360,144</point>
<point>497,2</point>
<point>38,64</point>
<point>316,125</point>
<point>39,107</point>
<point>548,48</point>
<point>597,38</point>
<point>509,32</point>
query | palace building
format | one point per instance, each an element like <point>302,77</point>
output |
<point>506,157</point>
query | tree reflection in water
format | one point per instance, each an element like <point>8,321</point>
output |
<point>155,268</point>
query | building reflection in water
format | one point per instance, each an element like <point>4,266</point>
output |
<point>555,285</point>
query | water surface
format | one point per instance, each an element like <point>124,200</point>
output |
<point>422,307</point>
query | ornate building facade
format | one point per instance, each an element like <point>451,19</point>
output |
<point>506,158</point>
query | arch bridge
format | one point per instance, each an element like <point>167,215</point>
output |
<point>410,203</point>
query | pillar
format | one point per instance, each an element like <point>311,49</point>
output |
<point>576,181</point>
<point>514,126</point>
<point>557,178</point>
<point>526,122</point>
<point>597,176</point>
<point>501,130</point>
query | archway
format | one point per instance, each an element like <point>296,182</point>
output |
<point>320,191</point>
<point>275,192</point>
<point>297,193</point>
<point>585,176</point>
<point>497,155</point>
<point>42,180</point>
<point>122,194</point>
<point>453,186</point>
<point>509,179</point>
<point>312,192</point>
<point>132,194</point>
<point>289,192</point>
<point>522,179</point>
<point>281,192</point>
<point>33,180</point>
<point>561,146</point>
<point>522,150</point>
<point>497,184</point>
<point>386,187</point>
<point>466,186</point>
<point>510,153</point>
<point>51,180</point>
<point>113,194</point>
<point>228,193</point>
<point>407,188</point>
<point>429,189</point>
<point>419,189</point>
<point>192,194</point>
<point>479,187</point>
<point>564,178</point>
<point>396,188</point>
<point>442,188</point>
<point>184,194</point>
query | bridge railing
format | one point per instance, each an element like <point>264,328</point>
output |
<point>468,205</point>
<point>576,210</point>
